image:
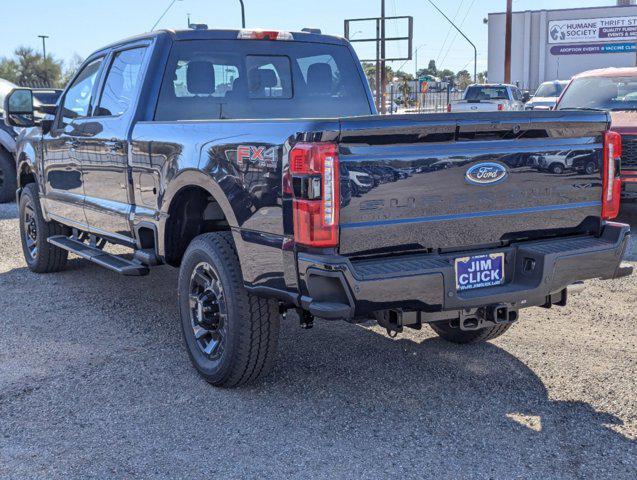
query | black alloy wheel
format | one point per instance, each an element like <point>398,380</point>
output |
<point>208,314</point>
<point>30,230</point>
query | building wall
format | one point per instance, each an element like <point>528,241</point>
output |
<point>532,61</point>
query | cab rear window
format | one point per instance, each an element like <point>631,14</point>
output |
<point>224,79</point>
<point>478,93</point>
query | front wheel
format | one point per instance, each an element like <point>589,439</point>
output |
<point>231,336</point>
<point>453,333</point>
<point>40,255</point>
<point>557,169</point>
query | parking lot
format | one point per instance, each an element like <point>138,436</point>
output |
<point>95,383</point>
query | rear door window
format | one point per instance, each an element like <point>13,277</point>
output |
<point>120,87</point>
<point>229,79</point>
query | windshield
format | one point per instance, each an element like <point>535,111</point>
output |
<point>5,88</point>
<point>480,93</point>
<point>601,93</point>
<point>549,89</point>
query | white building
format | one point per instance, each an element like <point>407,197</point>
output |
<point>556,44</point>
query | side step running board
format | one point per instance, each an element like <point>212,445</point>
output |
<point>98,256</point>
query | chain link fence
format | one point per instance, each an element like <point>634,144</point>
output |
<point>430,102</point>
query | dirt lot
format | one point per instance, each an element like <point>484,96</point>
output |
<point>95,383</point>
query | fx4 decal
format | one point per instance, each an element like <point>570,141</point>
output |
<point>259,154</point>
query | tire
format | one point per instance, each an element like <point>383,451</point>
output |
<point>556,169</point>
<point>8,180</point>
<point>590,168</point>
<point>231,336</point>
<point>455,335</point>
<point>40,255</point>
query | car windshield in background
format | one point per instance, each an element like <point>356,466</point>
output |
<point>221,79</point>
<point>549,89</point>
<point>479,93</point>
<point>600,93</point>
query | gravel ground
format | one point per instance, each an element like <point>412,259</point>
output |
<point>95,383</point>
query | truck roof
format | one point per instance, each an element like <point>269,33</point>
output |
<point>491,85</point>
<point>609,72</point>
<point>219,34</point>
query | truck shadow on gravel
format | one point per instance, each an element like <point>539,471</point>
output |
<point>400,405</point>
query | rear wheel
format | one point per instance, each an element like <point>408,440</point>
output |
<point>453,334</point>
<point>8,181</point>
<point>231,336</point>
<point>40,255</point>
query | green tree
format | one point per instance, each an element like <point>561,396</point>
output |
<point>431,70</point>
<point>482,77</point>
<point>28,68</point>
<point>432,67</point>
<point>463,79</point>
<point>445,73</point>
<point>370,72</point>
<point>69,69</point>
<point>403,75</point>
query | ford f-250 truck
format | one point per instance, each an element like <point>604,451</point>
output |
<point>223,153</point>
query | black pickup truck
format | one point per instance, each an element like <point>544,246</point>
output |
<point>229,154</point>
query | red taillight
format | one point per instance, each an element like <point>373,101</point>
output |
<point>500,107</point>
<point>611,182</point>
<point>264,35</point>
<point>448,108</point>
<point>315,185</point>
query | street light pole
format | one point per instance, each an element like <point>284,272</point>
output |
<point>243,14</point>
<point>416,59</point>
<point>43,37</point>
<point>475,50</point>
<point>383,78</point>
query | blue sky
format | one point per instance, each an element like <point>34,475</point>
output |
<point>82,26</point>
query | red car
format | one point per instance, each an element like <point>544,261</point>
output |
<point>615,90</point>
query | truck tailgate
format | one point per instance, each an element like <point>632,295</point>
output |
<point>483,106</point>
<point>469,182</point>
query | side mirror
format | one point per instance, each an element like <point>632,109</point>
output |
<point>526,96</point>
<point>18,108</point>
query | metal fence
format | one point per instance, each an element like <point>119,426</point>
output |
<point>430,102</point>
<point>36,84</point>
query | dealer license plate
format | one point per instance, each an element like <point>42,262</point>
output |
<point>479,271</point>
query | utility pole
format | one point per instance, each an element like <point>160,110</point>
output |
<point>383,77</point>
<point>507,43</point>
<point>43,37</point>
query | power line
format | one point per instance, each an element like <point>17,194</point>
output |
<point>163,14</point>
<point>475,50</point>
<point>448,32</point>
<point>456,35</point>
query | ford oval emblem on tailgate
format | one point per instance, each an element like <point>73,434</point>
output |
<point>486,173</point>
